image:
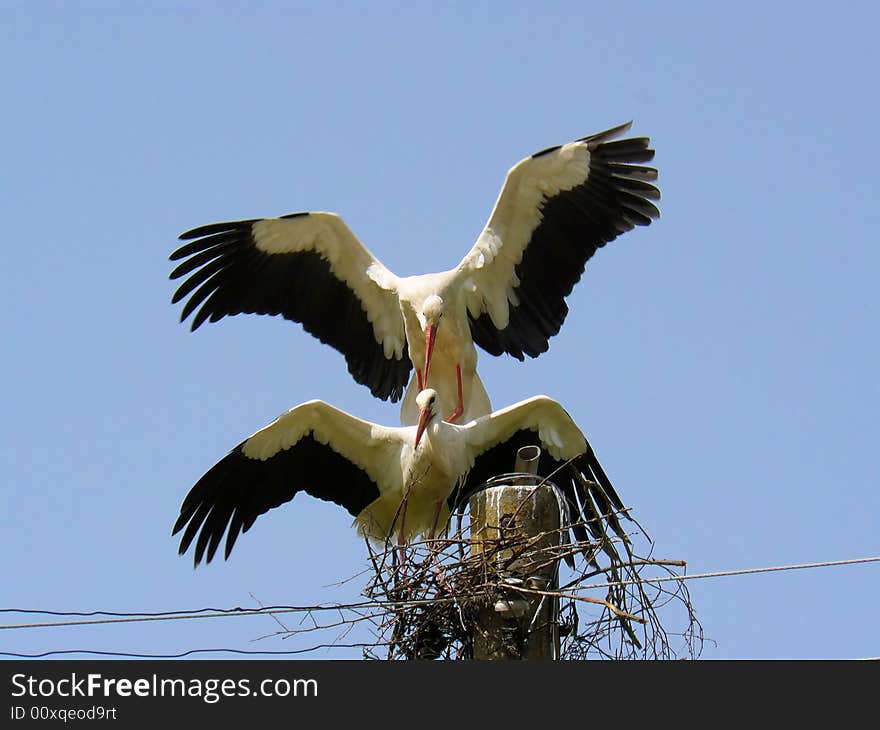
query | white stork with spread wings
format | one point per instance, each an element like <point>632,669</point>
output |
<point>394,481</point>
<point>507,294</point>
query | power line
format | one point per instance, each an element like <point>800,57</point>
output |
<point>120,613</point>
<point>179,655</point>
<point>223,613</point>
<point>229,612</point>
<point>727,573</point>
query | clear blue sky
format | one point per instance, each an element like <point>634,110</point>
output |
<point>723,362</point>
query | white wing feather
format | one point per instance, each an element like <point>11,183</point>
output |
<point>558,433</point>
<point>371,448</point>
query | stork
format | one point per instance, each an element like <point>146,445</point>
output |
<point>507,294</point>
<point>394,481</point>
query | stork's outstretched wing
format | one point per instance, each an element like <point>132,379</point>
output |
<point>309,268</point>
<point>313,448</point>
<point>555,209</point>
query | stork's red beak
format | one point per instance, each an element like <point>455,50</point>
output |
<point>425,416</point>
<point>430,335</point>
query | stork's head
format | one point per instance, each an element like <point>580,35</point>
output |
<point>425,400</point>
<point>432,313</point>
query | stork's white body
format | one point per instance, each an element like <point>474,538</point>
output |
<point>454,355</point>
<point>426,476</point>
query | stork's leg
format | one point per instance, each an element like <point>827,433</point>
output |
<point>437,507</point>
<point>438,569</point>
<point>401,540</point>
<point>459,409</point>
<point>419,379</point>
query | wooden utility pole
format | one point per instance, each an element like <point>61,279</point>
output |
<point>516,525</point>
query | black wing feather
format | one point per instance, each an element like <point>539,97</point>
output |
<point>238,489</point>
<point>229,275</point>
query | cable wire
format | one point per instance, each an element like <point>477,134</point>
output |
<point>179,655</point>
<point>727,573</point>
<point>229,612</point>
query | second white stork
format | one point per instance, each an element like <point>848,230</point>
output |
<point>507,294</point>
<point>394,481</point>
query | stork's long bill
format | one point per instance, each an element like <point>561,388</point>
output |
<point>426,413</point>
<point>430,337</point>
